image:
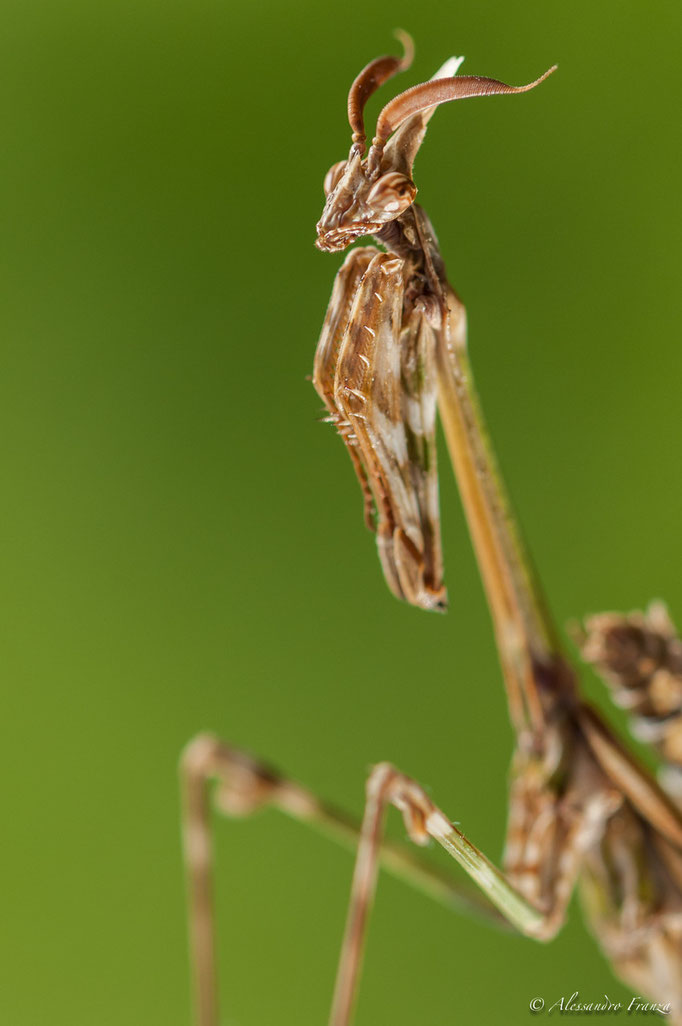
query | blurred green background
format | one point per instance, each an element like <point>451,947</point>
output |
<point>183,545</point>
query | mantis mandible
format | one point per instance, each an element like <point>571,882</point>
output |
<point>581,808</point>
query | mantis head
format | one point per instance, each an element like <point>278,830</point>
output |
<point>365,193</point>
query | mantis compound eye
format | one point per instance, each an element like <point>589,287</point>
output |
<point>332,176</point>
<point>392,194</point>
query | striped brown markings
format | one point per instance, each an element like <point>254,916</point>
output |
<point>375,371</point>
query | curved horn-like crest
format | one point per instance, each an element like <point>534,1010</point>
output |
<point>435,92</point>
<point>369,80</point>
<point>404,144</point>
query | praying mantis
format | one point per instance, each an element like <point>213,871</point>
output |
<point>582,810</point>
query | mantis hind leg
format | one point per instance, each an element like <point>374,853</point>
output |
<point>215,774</point>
